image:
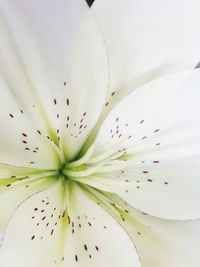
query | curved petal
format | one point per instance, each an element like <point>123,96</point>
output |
<point>167,243</point>
<point>16,188</point>
<point>159,128</point>
<point>147,39</point>
<point>170,190</point>
<point>54,62</point>
<point>94,238</point>
<point>83,235</point>
<point>22,143</point>
<point>159,242</point>
<point>34,234</point>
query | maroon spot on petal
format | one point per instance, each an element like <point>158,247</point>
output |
<point>144,137</point>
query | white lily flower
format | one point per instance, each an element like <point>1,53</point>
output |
<point>92,171</point>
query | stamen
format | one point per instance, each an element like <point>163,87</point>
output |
<point>106,154</point>
<point>84,173</point>
<point>84,159</point>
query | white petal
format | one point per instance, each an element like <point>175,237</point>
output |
<point>15,188</point>
<point>168,243</point>
<point>147,39</point>
<point>34,234</point>
<point>94,238</point>
<point>53,58</point>
<point>170,190</point>
<point>165,112</point>
<point>87,233</point>
<point>159,242</point>
<point>158,109</point>
<point>22,143</point>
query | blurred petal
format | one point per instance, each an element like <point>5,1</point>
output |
<point>147,39</point>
